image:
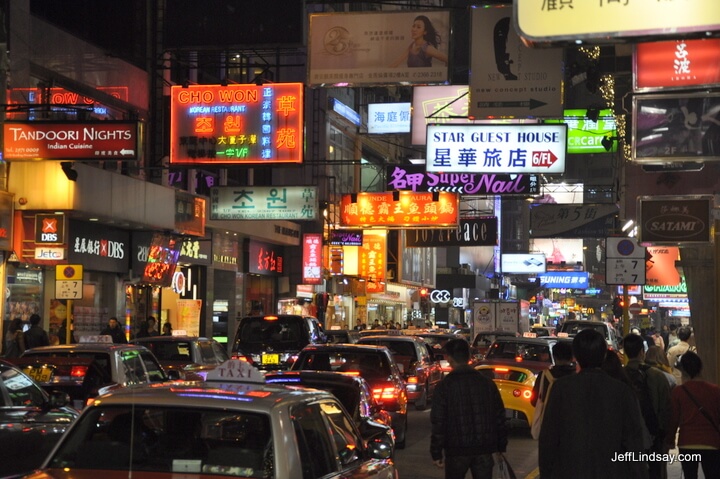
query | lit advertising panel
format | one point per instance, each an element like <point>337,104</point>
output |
<point>559,251</point>
<point>346,238</point>
<point>411,210</point>
<point>564,279</point>
<point>589,136</point>
<point>372,262</point>
<point>676,64</point>
<point>101,140</point>
<point>388,118</point>
<point>496,148</point>
<point>675,219</point>
<point>375,48</point>
<point>415,178</point>
<point>162,259</point>
<point>263,203</point>
<point>264,258</point>
<point>572,220</point>
<point>523,263</point>
<point>236,124</point>
<point>660,266</point>
<point>312,272</point>
<point>470,232</point>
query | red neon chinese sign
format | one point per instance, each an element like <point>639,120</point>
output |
<point>236,124</point>
<point>680,63</point>
<point>373,263</point>
<point>312,259</point>
<point>412,209</point>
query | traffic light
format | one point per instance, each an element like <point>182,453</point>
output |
<point>618,307</point>
<point>423,292</point>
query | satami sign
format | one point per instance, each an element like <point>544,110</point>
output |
<point>102,140</point>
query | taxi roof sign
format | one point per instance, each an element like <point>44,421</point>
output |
<point>236,370</point>
<point>96,338</point>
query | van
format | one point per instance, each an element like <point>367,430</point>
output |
<point>272,342</point>
<point>573,326</point>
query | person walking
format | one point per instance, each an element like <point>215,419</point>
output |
<point>653,392</point>
<point>592,425</point>
<point>468,418</point>
<point>656,358</point>
<point>152,326</point>
<point>143,331</point>
<point>564,366</point>
<point>36,336</point>
<point>14,339</point>
<point>695,410</point>
<point>166,329</point>
<point>680,348</point>
<point>114,330</point>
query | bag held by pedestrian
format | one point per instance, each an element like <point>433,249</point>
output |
<point>540,404</point>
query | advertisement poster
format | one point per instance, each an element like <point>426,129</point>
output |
<point>378,48</point>
<point>188,316</point>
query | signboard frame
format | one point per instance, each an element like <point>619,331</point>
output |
<point>691,209</point>
<point>682,67</point>
<point>281,203</point>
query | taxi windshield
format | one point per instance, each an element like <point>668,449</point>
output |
<point>169,439</point>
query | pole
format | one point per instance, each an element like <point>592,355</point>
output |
<point>69,326</point>
<point>626,315</point>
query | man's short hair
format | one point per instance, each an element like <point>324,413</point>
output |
<point>684,333</point>
<point>34,319</point>
<point>589,348</point>
<point>562,351</point>
<point>632,345</point>
<point>459,350</point>
<point>691,364</point>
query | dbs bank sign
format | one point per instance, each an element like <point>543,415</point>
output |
<point>49,229</point>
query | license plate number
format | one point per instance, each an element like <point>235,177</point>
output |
<point>40,375</point>
<point>271,359</point>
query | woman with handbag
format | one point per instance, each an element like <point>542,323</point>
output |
<point>696,411</point>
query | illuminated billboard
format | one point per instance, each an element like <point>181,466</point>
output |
<point>589,135</point>
<point>388,118</point>
<point>264,203</point>
<point>399,209</point>
<point>236,124</point>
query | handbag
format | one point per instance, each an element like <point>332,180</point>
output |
<point>540,404</point>
<point>504,469</point>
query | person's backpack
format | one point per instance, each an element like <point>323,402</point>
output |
<point>638,379</point>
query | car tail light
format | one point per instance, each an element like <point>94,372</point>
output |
<point>412,380</point>
<point>78,371</point>
<point>527,394</point>
<point>502,370</point>
<point>384,393</point>
<point>516,393</point>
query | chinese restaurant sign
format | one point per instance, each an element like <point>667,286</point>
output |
<point>312,259</point>
<point>236,124</point>
<point>373,262</point>
<point>415,178</point>
<point>412,210</point>
<point>676,64</point>
<point>496,148</point>
<point>102,140</point>
<point>264,258</point>
<point>263,203</point>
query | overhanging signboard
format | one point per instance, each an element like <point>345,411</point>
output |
<point>236,124</point>
<point>388,118</point>
<point>676,64</point>
<point>415,178</point>
<point>410,210</point>
<point>496,148</point>
<point>564,279</point>
<point>263,203</point>
<point>676,127</point>
<point>541,20</point>
<point>589,136</point>
<point>44,140</point>
<point>572,220</point>
<point>675,219</point>
<point>523,263</point>
<point>471,232</point>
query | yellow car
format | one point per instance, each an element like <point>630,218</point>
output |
<point>515,384</point>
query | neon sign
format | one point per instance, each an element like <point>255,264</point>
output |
<point>236,124</point>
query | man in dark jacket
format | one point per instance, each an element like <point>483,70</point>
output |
<point>36,335</point>
<point>592,427</point>
<point>468,418</point>
<point>114,330</point>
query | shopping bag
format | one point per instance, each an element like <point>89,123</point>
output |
<point>504,470</point>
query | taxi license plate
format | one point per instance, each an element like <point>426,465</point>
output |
<point>271,359</point>
<point>40,375</point>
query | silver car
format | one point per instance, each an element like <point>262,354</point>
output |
<point>210,429</point>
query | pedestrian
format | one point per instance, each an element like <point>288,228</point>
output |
<point>673,338</point>
<point>563,366</point>
<point>665,334</point>
<point>680,348</point>
<point>167,329</point>
<point>696,411</point>
<point>152,326</point>
<point>14,339</point>
<point>656,358</point>
<point>36,336</point>
<point>114,330</point>
<point>143,331</point>
<point>468,418</point>
<point>592,426</point>
<point>653,392</point>
<point>62,334</point>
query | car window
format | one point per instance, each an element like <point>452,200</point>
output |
<point>21,390</point>
<point>221,354</point>
<point>515,349</point>
<point>155,372</point>
<point>368,364</point>
<point>287,330</point>
<point>348,446</point>
<point>206,352</point>
<point>317,455</point>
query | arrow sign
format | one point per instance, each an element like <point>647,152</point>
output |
<point>127,152</point>
<point>529,104</point>
<point>543,158</point>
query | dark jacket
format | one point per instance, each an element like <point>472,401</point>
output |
<point>117,334</point>
<point>468,416</point>
<point>558,371</point>
<point>35,337</point>
<point>590,419</point>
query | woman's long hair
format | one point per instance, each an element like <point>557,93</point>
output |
<point>431,35</point>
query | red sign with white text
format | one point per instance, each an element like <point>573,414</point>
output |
<point>312,259</point>
<point>680,63</point>
<point>373,263</point>
<point>236,124</point>
<point>412,209</point>
<point>41,140</point>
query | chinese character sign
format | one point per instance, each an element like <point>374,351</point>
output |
<point>496,148</point>
<point>373,263</point>
<point>264,258</point>
<point>677,63</point>
<point>312,259</point>
<point>236,124</point>
<point>410,210</point>
<point>264,203</point>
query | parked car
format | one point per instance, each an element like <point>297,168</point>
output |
<point>220,427</point>
<point>342,336</point>
<point>82,370</point>
<point>272,342</point>
<point>573,326</point>
<point>190,356</point>
<point>351,390</point>
<point>373,363</point>
<point>515,384</point>
<point>421,369</point>
<point>31,420</point>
